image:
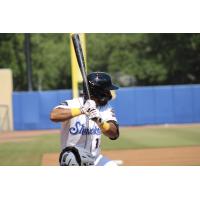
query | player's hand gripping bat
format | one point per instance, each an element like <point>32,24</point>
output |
<point>81,61</point>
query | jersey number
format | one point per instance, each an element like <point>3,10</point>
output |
<point>97,143</point>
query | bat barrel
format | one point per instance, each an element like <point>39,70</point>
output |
<point>81,61</point>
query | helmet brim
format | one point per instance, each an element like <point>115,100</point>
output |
<point>113,87</point>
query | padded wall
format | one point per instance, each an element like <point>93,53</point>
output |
<point>133,106</point>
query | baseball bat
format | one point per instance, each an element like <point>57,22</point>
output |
<point>81,61</point>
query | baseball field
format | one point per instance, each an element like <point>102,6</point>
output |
<point>167,145</point>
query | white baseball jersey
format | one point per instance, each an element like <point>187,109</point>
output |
<point>76,132</point>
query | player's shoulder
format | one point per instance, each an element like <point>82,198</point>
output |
<point>107,107</point>
<point>108,113</point>
<point>75,102</point>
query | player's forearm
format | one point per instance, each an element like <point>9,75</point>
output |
<point>112,132</point>
<point>109,129</point>
<point>60,115</point>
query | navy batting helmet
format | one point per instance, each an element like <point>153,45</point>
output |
<point>100,85</point>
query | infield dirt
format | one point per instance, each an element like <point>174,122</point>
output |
<point>176,156</point>
<point>179,156</point>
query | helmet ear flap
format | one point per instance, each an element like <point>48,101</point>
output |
<point>110,97</point>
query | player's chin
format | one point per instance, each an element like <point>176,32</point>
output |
<point>102,102</point>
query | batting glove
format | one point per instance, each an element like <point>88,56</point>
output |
<point>88,106</point>
<point>95,115</point>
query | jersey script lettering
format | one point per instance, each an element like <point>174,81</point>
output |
<point>81,129</point>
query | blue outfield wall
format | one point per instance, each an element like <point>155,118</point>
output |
<point>158,105</point>
<point>133,106</point>
<point>31,109</point>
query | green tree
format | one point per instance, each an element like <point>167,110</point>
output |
<point>12,56</point>
<point>131,59</point>
<point>178,53</point>
<point>50,60</point>
<point>122,56</point>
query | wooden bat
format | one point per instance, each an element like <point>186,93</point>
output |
<point>81,61</point>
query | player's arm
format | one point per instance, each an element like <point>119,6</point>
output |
<point>109,129</point>
<point>64,114</point>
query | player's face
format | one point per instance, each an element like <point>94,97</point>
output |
<point>103,98</point>
<point>98,103</point>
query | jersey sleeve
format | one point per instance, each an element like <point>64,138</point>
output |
<point>109,115</point>
<point>72,103</point>
<point>64,104</point>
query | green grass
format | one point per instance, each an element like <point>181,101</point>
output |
<point>28,153</point>
<point>31,152</point>
<point>136,138</point>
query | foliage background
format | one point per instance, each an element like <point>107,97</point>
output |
<point>131,59</point>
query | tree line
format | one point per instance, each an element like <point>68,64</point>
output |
<point>131,59</point>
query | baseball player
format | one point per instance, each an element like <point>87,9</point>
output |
<point>83,122</point>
